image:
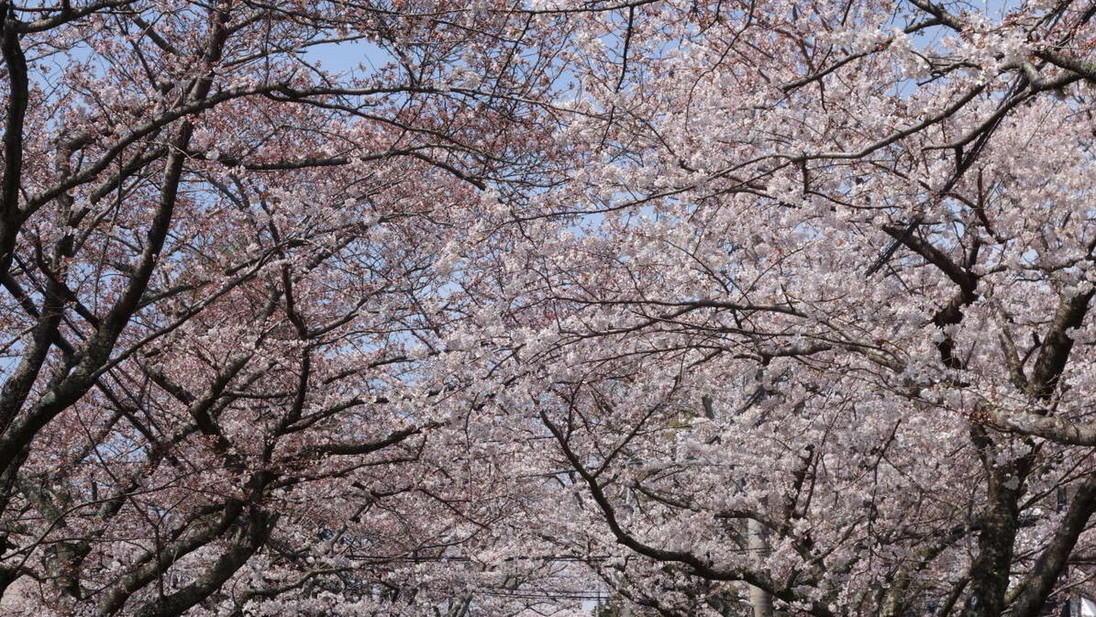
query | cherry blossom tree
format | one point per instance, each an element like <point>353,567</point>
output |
<point>226,274</point>
<point>725,307</point>
<point>809,331</point>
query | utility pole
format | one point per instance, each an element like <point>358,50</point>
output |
<point>758,545</point>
